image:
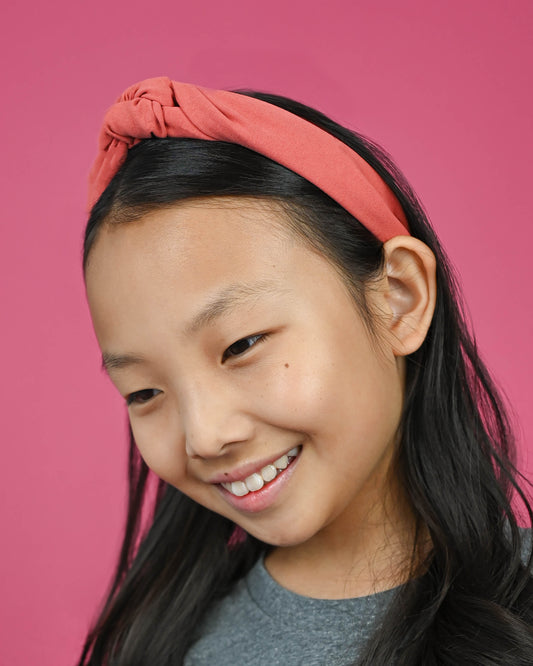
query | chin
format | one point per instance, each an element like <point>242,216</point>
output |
<point>282,538</point>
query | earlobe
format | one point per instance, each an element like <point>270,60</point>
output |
<point>410,288</point>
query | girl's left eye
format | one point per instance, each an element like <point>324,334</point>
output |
<point>243,345</point>
<point>141,397</point>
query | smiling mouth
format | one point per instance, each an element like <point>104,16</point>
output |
<point>258,480</point>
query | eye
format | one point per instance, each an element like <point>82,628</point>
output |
<point>243,345</point>
<point>141,397</point>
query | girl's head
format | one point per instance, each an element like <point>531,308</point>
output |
<point>241,311</point>
<point>295,362</point>
<point>243,314</point>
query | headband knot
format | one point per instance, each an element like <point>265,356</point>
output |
<point>163,108</point>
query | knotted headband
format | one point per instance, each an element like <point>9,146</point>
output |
<point>163,108</point>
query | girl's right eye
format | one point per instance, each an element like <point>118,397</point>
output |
<point>141,397</point>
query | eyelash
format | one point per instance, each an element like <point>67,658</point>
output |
<point>260,337</point>
<point>141,397</point>
<point>145,395</point>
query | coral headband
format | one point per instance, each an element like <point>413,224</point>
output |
<point>163,108</point>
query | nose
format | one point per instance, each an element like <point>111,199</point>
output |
<point>213,419</point>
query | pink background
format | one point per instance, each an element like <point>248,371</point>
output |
<point>444,86</point>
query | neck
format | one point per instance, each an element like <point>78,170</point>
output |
<point>360,553</point>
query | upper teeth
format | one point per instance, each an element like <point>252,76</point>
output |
<point>258,479</point>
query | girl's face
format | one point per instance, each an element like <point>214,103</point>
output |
<point>245,362</point>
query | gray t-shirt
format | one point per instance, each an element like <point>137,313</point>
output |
<point>260,623</point>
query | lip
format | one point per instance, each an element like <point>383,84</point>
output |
<point>262,499</point>
<point>242,472</point>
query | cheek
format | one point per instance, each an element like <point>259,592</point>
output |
<point>347,390</point>
<point>296,397</point>
<point>286,395</point>
<point>160,445</point>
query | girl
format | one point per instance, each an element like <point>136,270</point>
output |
<point>334,459</point>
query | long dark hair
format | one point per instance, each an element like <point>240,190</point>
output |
<point>473,603</point>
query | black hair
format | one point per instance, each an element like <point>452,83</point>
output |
<point>473,603</point>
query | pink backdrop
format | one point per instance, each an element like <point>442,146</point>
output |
<point>444,86</point>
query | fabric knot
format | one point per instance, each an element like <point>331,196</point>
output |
<point>162,108</point>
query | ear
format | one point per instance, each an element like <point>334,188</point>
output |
<point>409,292</point>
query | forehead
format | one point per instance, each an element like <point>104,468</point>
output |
<point>190,249</point>
<point>207,234</point>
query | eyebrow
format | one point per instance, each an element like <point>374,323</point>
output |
<point>112,361</point>
<point>231,297</point>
